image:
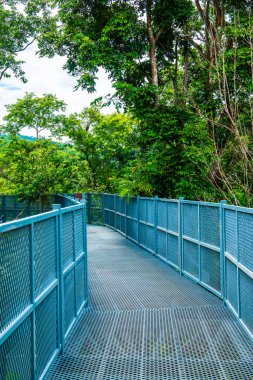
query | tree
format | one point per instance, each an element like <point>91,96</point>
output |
<point>138,44</point>
<point>35,170</point>
<point>104,142</point>
<point>37,113</point>
<point>21,22</point>
<point>132,40</point>
<point>183,69</point>
<point>220,94</point>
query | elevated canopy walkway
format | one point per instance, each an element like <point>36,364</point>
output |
<point>146,322</point>
<point>170,290</point>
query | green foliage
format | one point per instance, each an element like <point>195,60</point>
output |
<point>104,142</point>
<point>34,170</point>
<point>20,23</point>
<point>113,35</point>
<point>182,72</point>
<point>38,113</point>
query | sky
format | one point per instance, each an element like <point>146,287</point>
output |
<point>47,76</point>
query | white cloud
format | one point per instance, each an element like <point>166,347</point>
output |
<point>47,76</point>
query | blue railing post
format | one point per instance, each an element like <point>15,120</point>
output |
<point>114,205</point>
<point>222,249</point>
<point>61,282</point>
<point>156,223</point>
<point>180,234</point>
<point>34,364</point>
<point>125,199</point>
<point>103,208</point>
<point>74,254</point>
<point>84,202</point>
<point>89,204</point>
<point>138,219</point>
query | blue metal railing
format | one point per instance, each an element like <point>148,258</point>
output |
<point>11,207</point>
<point>43,288</point>
<point>212,243</point>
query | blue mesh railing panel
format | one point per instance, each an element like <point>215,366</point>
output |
<point>142,210</point>
<point>162,244</point>
<point>15,279</point>
<point>172,210</point>
<point>172,249</point>
<point>81,284</point>
<point>209,225</point>
<point>231,284</point>
<point>45,255</point>
<point>79,241</point>
<point>238,247</point>
<point>69,300</point>
<point>42,291</point>
<point>245,240</point>
<point>67,239</point>
<point>142,234</point>
<point>162,215</point>
<point>16,353</point>
<point>46,331</point>
<point>167,228</point>
<point>201,255</point>
<point>190,259</point>
<point>191,220</point>
<point>245,299</point>
<point>230,226</point>
<point>210,268</point>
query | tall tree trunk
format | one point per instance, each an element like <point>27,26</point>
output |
<point>175,77</point>
<point>186,67</point>
<point>152,46</point>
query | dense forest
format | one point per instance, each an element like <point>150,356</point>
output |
<point>182,72</point>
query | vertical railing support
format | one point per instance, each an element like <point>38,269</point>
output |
<point>61,281</point>
<point>114,206</point>
<point>138,219</point>
<point>83,201</point>
<point>222,249</point>
<point>180,234</point>
<point>89,204</point>
<point>103,209</point>
<point>156,223</point>
<point>199,247</point>
<point>74,254</point>
<point>125,200</point>
<point>33,295</point>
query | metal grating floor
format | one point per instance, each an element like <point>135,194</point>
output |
<point>146,322</point>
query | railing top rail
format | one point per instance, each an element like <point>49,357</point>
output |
<point>168,200</point>
<point>247,210</point>
<point>202,203</point>
<point>78,206</point>
<point>65,196</point>
<point>12,225</point>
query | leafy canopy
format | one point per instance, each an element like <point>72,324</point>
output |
<point>105,142</point>
<point>35,170</point>
<point>21,22</point>
<point>33,112</point>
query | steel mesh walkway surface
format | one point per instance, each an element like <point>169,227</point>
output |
<point>146,322</point>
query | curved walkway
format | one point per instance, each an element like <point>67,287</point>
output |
<point>146,322</point>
